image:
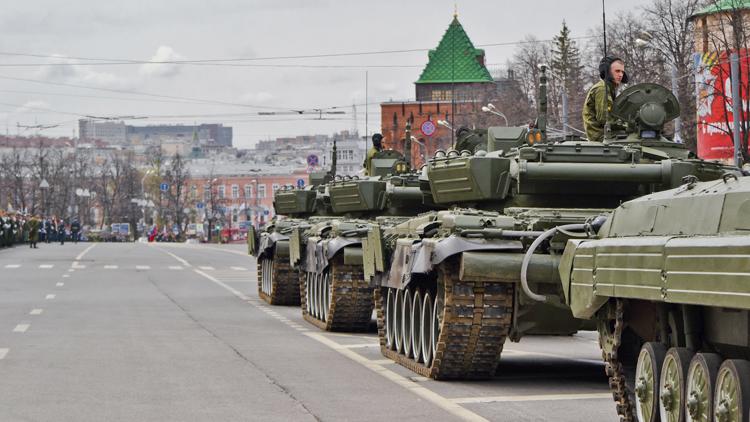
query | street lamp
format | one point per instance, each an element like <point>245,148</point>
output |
<point>490,108</point>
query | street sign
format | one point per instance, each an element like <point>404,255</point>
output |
<point>164,187</point>
<point>265,212</point>
<point>428,128</point>
<point>199,205</point>
<point>312,160</point>
<point>300,183</point>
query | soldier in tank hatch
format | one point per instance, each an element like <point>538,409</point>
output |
<point>598,104</point>
<point>377,146</point>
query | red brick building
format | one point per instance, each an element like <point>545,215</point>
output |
<point>453,87</point>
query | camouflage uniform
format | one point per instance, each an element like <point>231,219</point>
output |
<point>368,160</point>
<point>593,110</point>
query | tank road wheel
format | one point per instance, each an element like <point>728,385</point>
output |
<point>327,295</point>
<point>406,323</point>
<point>426,327</point>
<point>388,326</point>
<point>732,392</point>
<point>647,374</point>
<point>398,320</point>
<point>277,282</point>
<point>437,312</point>
<point>672,384</point>
<point>699,388</point>
<point>416,326</point>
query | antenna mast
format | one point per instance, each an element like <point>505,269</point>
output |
<point>606,76</point>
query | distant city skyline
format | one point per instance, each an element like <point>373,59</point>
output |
<point>234,93</point>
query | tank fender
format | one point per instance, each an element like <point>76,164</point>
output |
<point>315,261</point>
<point>333,246</point>
<point>435,251</point>
<point>268,242</point>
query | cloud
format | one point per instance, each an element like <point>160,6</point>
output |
<point>162,70</point>
<point>32,106</point>
<point>64,70</point>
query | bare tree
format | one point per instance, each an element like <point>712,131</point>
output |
<point>177,175</point>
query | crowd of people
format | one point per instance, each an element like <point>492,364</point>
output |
<point>19,228</point>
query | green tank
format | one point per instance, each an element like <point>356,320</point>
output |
<point>667,281</point>
<point>451,290</point>
<point>334,294</point>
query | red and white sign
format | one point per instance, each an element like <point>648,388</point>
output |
<point>714,104</point>
<point>428,128</point>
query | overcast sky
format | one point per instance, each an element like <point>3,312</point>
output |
<point>233,93</point>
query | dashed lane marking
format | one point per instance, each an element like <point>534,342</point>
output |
<point>59,284</point>
<point>110,267</point>
<point>239,268</point>
<point>3,353</point>
<point>175,267</point>
<point>66,275</point>
<point>85,251</point>
<point>142,267</point>
<point>46,266</point>
<point>206,268</point>
<point>538,397</point>
<point>78,265</point>
<point>36,311</point>
<point>12,266</point>
<point>49,297</point>
<point>21,328</point>
<point>70,270</point>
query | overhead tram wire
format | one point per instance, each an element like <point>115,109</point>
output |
<point>97,61</point>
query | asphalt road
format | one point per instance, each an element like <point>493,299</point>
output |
<point>172,332</point>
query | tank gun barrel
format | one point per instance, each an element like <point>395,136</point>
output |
<point>411,193</point>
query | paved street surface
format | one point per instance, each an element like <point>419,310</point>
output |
<point>177,332</point>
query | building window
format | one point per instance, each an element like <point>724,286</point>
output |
<point>275,187</point>
<point>235,191</point>
<point>222,191</point>
<point>261,191</point>
<point>206,192</point>
<point>248,191</point>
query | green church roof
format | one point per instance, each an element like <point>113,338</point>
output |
<point>723,6</point>
<point>455,59</point>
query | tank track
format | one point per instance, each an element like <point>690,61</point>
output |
<point>618,373</point>
<point>351,302</point>
<point>283,282</point>
<point>475,322</point>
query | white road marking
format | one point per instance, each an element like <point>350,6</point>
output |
<point>431,396</point>
<point>12,266</point>
<point>21,328</point>
<point>142,267</point>
<point>207,268</point>
<point>46,266</point>
<point>239,268</point>
<point>36,311</point>
<point>538,397</point>
<point>175,267</point>
<point>360,346</point>
<point>79,267</point>
<point>60,284</point>
<point>70,270</point>
<point>110,267</point>
<point>50,296</point>
<point>232,290</point>
<point>382,361</point>
<point>85,251</point>
<point>182,261</point>
<point>3,353</point>
<point>66,275</point>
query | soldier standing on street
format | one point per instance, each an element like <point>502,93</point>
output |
<point>75,229</point>
<point>377,146</point>
<point>598,105</point>
<point>33,227</point>
<point>61,231</point>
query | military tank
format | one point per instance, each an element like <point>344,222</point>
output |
<point>334,294</point>
<point>295,207</point>
<point>451,289</point>
<point>667,281</point>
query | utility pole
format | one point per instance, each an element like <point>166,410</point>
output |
<point>736,107</point>
<point>367,100</point>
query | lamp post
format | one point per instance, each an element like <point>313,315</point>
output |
<point>44,185</point>
<point>489,108</point>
